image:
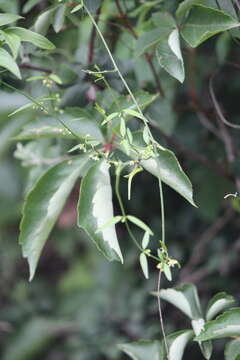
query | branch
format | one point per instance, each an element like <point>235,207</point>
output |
<point>198,252</point>
<point>33,67</point>
<point>93,38</point>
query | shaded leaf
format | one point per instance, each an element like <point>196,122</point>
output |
<point>59,18</point>
<point>95,209</point>
<point>43,205</point>
<point>232,350</point>
<point>7,62</point>
<point>203,22</point>
<point>217,304</point>
<point>44,20</point>
<point>13,41</point>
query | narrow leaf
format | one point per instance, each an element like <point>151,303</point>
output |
<point>43,206</point>
<point>204,22</point>
<point>7,62</point>
<point>95,209</point>
<point>144,264</point>
<point>139,223</point>
<point>217,304</point>
<point>13,41</point>
<point>113,221</point>
<point>145,240</point>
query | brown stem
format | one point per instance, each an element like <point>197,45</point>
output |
<point>201,247</point>
<point>37,68</point>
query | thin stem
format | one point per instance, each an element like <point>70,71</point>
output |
<point>117,191</point>
<point>162,209</point>
<point>160,313</point>
<point>115,65</point>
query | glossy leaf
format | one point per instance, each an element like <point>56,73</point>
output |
<point>95,209</point>
<point>203,22</point>
<point>142,350</point>
<point>32,37</point>
<point>225,325</point>
<point>6,18</point>
<point>185,298</point>
<point>217,304</point>
<point>7,62</point>
<point>43,206</point>
<point>232,350</point>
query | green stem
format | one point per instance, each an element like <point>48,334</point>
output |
<point>162,209</point>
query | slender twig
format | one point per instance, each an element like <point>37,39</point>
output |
<point>160,313</point>
<point>202,244</point>
<point>34,67</point>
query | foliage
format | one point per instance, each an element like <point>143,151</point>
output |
<point>96,92</point>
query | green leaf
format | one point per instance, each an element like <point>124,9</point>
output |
<point>225,325</point>
<point>81,123</point>
<point>165,24</point>
<point>203,22</point>
<point>59,18</point>
<point>135,114</point>
<point>113,221</point>
<point>185,298</point>
<point>186,5</point>
<point>170,56</point>
<point>8,18</point>
<point>95,209</point>
<point>167,168</point>
<point>232,350</point>
<point>7,62</point>
<point>217,304</point>
<point>13,41</point>
<point>44,20</point>
<point>29,5</point>
<point>32,37</point>
<point>77,8</point>
<point>43,128</point>
<point>43,205</point>
<point>177,343</point>
<point>145,240</point>
<point>142,350</point>
<point>144,264</point>
<point>139,223</point>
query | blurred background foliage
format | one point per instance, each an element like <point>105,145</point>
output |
<point>79,306</point>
